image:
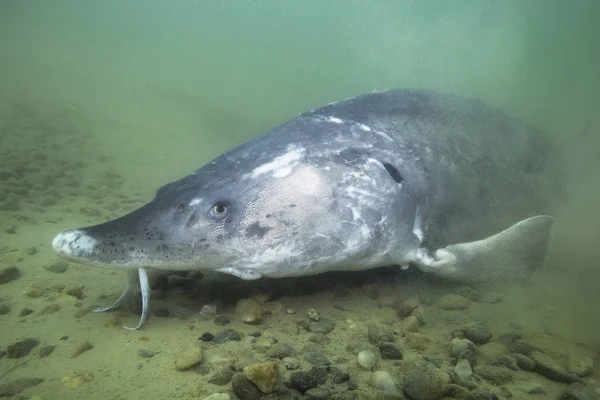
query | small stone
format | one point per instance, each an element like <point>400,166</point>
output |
<point>379,334</point>
<point>367,359</point>
<point>389,351</point>
<point>145,353</point>
<point>264,375</point>
<point>550,368</point>
<point>244,388</point>
<point>18,385</point>
<point>4,309</point>
<point>319,338</point>
<point>338,375</point>
<point>290,363</point>
<point>324,325</point>
<point>227,335</point>
<point>313,315</point>
<point>75,291</point>
<point>50,309</point>
<point>481,393</point>
<point>82,348</point>
<point>272,307</point>
<point>189,357</point>
<point>458,345</point>
<point>522,347</point>
<point>382,380</point>
<point>507,338</point>
<point>407,307</point>
<point>316,358</point>
<point>318,393</point>
<point>469,293</point>
<point>304,380</point>
<point>281,350</point>
<point>58,267</point>
<point>21,348</point>
<point>249,311</point>
<point>33,291</point>
<point>222,377</point>
<point>583,366</point>
<point>46,350</point>
<point>410,324</point>
<point>207,337</point>
<point>477,334</point>
<point>425,382</point>
<point>524,362</point>
<point>578,391</point>
<point>24,312</point>
<point>452,302</point>
<point>9,274</point>
<point>417,341</point>
<point>494,374</point>
<point>389,301</point>
<point>463,370</point>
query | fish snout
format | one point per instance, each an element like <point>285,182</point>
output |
<point>73,244</point>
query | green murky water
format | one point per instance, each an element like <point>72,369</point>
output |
<point>103,102</point>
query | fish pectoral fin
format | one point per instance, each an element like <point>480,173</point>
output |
<point>242,273</point>
<point>510,255</point>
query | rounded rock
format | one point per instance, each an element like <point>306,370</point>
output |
<point>264,375</point>
<point>382,380</point>
<point>367,359</point>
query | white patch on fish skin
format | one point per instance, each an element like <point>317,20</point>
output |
<point>335,120</point>
<point>364,127</point>
<point>280,166</point>
<point>73,243</point>
<point>195,202</point>
<point>355,213</point>
<point>385,135</point>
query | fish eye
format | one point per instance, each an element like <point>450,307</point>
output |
<point>220,209</point>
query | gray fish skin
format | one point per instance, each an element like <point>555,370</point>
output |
<point>378,179</point>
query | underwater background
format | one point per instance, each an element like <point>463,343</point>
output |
<point>103,102</point>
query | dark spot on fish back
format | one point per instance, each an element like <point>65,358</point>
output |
<point>394,173</point>
<point>255,230</point>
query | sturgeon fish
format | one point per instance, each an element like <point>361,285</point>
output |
<point>401,177</point>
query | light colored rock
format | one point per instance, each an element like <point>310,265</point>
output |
<point>463,370</point>
<point>190,357</point>
<point>410,324</point>
<point>581,366</point>
<point>367,359</point>
<point>272,307</point>
<point>264,375</point>
<point>382,380</point>
<point>249,311</point>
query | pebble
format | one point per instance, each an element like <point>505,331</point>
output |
<point>379,334</point>
<point>244,388</point>
<point>281,350</point>
<point>4,309</point>
<point>407,307</point>
<point>33,291</point>
<point>21,348</point>
<point>367,359</point>
<point>145,353</point>
<point>249,311</point>
<point>264,375</point>
<point>24,312</point>
<point>18,385</point>
<point>583,366</point>
<point>417,341</point>
<point>318,393</point>
<point>463,370</point>
<point>382,380</point>
<point>75,291</point>
<point>578,391</point>
<point>222,320</point>
<point>189,357</point>
<point>458,345</point>
<point>453,302</point>
<point>410,324</point>
<point>207,337</point>
<point>77,379</point>
<point>424,382</point>
<point>550,368</point>
<point>494,374</point>
<point>389,351</point>
<point>324,325</point>
<point>227,335</point>
<point>46,350</point>
<point>82,348</point>
<point>9,274</point>
<point>58,267</point>
<point>304,380</point>
<point>222,376</point>
<point>389,301</point>
<point>272,307</point>
<point>469,293</point>
<point>524,362</point>
<point>316,358</point>
<point>291,363</point>
<point>478,334</point>
<point>313,315</point>
<point>319,338</point>
<point>338,376</point>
